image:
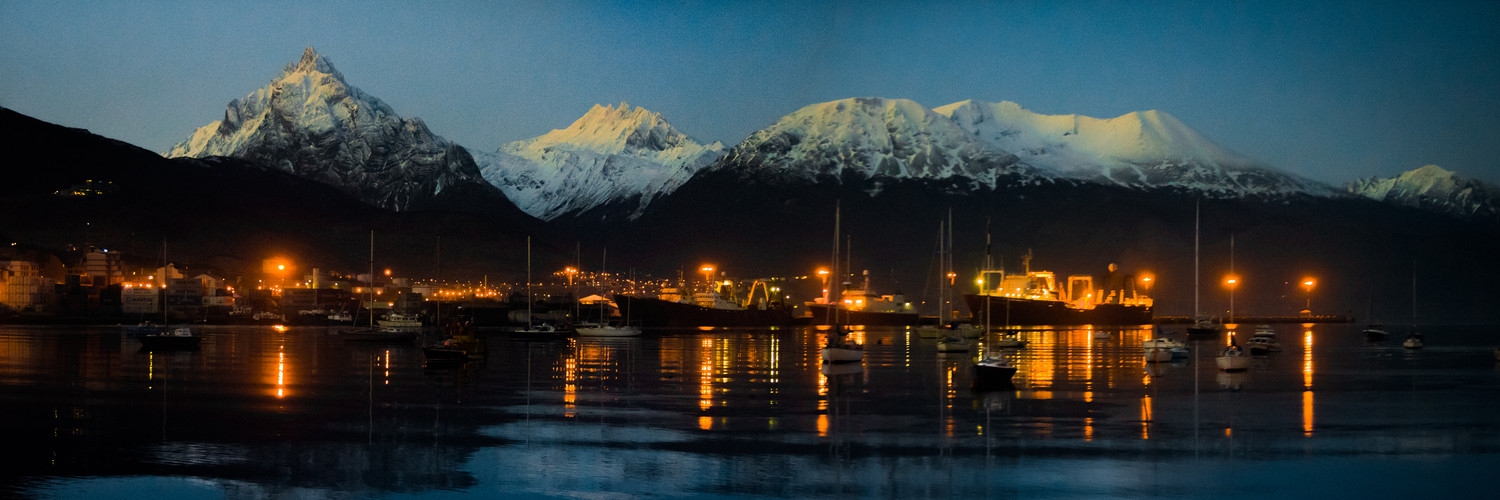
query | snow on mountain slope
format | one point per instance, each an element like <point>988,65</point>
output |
<point>310,122</point>
<point>871,138</point>
<point>1433,188</point>
<point>1144,149</point>
<point>609,155</point>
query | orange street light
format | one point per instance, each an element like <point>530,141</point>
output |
<point>1231,281</point>
<point>1308,283</point>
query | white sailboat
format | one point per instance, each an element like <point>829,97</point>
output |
<point>838,348</point>
<point>605,329</point>
<point>1415,339</point>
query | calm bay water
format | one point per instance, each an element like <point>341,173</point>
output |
<point>301,413</point>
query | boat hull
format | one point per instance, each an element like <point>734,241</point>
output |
<point>657,313</point>
<point>991,375</point>
<point>820,316</point>
<point>608,331</point>
<point>841,355</point>
<point>1051,312</point>
<point>1233,363</point>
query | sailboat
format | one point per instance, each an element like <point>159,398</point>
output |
<point>531,327</point>
<point>1202,324</point>
<point>1233,359</point>
<point>1414,340</point>
<point>994,370</point>
<point>168,337</point>
<point>1374,331</point>
<point>838,348</point>
<point>954,339</point>
<point>370,333</point>
<point>606,330</point>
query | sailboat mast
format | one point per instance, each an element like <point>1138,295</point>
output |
<point>1196,310</point>
<point>528,283</point>
<point>834,273</point>
<point>372,279</point>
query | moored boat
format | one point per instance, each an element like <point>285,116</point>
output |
<point>863,306</point>
<point>1414,340</point>
<point>1261,345</point>
<point>655,312</point>
<point>993,372</point>
<point>1375,332</point>
<point>170,339</point>
<point>1233,359</point>
<point>1158,354</point>
<point>388,335</point>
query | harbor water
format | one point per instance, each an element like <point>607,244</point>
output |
<point>261,412</point>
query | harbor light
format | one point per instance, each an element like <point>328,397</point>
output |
<point>1308,284</point>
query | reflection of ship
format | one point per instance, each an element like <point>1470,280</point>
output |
<point>707,307</point>
<point>1036,298</point>
<point>863,306</point>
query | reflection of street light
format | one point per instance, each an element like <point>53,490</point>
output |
<point>1231,282</point>
<point>1308,283</point>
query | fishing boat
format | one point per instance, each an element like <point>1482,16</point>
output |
<point>863,306</point>
<point>838,349</point>
<point>1041,298</point>
<point>399,320</point>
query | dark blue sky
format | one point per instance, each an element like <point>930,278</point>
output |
<point>1331,90</point>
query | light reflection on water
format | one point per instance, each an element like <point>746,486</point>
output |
<point>754,413</point>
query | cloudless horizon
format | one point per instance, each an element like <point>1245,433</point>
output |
<point>1334,91</point>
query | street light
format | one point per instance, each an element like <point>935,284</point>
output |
<point>708,275</point>
<point>823,275</point>
<point>1308,283</point>
<point>1231,281</point>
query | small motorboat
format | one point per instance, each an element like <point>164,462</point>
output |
<point>1262,345</point>
<point>1158,355</point>
<point>1162,342</point>
<point>953,344</point>
<point>1375,332</point>
<point>1233,359</point>
<point>1264,331</point>
<point>1413,341</point>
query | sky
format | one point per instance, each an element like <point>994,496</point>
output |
<point>1334,91</point>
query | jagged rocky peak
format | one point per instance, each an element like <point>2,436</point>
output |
<point>1436,189</point>
<point>308,121</point>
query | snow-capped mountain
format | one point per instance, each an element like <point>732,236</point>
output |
<point>872,139</point>
<point>1436,189</point>
<point>623,154</point>
<point>308,121</point>
<point>1143,149</point>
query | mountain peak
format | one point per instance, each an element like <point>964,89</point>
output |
<point>312,62</point>
<point>1433,188</point>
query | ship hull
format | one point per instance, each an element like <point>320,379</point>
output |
<point>657,313</point>
<point>1050,312</point>
<point>820,315</point>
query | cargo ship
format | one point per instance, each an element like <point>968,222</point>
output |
<point>1035,298</point>
<point>671,309</point>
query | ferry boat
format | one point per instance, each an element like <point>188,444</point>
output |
<point>707,307</point>
<point>1038,298</point>
<point>863,306</point>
